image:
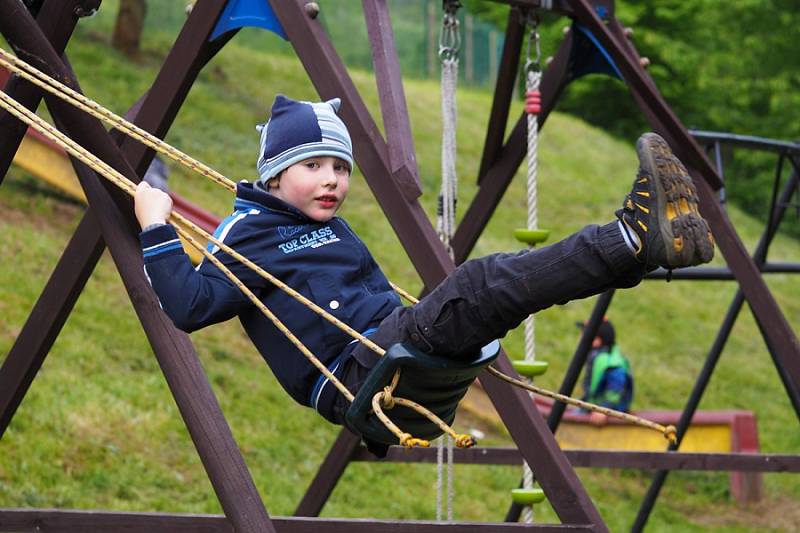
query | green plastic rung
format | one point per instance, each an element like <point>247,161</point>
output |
<point>530,369</point>
<point>527,496</point>
<point>531,236</point>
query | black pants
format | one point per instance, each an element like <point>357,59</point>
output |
<point>484,298</point>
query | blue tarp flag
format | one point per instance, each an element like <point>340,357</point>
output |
<point>241,13</point>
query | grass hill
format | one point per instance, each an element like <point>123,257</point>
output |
<point>99,429</point>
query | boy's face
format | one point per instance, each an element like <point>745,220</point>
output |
<point>316,186</point>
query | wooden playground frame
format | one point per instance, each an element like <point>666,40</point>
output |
<point>390,169</point>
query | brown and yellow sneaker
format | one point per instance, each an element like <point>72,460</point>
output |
<point>662,210</point>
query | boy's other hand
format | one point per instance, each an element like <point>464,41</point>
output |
<point>151,205</point>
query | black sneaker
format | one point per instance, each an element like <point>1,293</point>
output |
<point>662,210</point>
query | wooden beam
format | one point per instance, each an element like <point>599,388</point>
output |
<point>402,156</point>
<point>503,91</point>
<point>48,520</point>
<point>714,462</point>
<point>499,175</point>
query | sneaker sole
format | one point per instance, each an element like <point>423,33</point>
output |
<point>685,235</point>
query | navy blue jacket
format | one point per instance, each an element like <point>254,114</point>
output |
<point>325,262</point>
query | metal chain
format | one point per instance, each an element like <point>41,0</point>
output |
<point>449,44</point>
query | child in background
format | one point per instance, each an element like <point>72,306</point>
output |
<point>286,223</point>
<point>607,379</point>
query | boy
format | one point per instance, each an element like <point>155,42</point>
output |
<point>286,223</point>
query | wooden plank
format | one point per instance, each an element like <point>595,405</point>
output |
<point>561,7</point>
<point>402,156</point>
<point>48,520</point>
<point>65,285</point>
<point>501,172</point>
<point>580,458</point>
<point>503,91</point>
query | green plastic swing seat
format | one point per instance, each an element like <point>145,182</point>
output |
<point>438,383</point>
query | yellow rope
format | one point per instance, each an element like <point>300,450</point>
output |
<point>668,431</point>
<point>126,185</point>
<point>51,85</point>
<point>405,294</point>
<point>406,439</point>
<point>42,80</point>
<point>385,399</point>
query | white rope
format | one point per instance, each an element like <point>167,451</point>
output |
<point>439,476</point>
<point>440,460</point>
<point>449,42</point>
<point>532,82</point>
<point>450,492</point>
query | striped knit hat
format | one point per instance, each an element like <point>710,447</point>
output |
<point>299,130</point>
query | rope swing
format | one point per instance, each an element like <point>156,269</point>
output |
<point>449,44</point>
<point>533,76</point>
<point>184,227</point>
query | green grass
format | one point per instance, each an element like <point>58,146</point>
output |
<point>99,429</point>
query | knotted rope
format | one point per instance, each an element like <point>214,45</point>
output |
<point>532,100</point>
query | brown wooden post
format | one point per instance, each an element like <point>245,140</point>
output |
<point>185,376</point>
<point>331,469</point>
<point>503,91</point>
<point>57,20</point>
<point>402,156</point>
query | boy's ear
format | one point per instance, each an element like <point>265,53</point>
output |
<point>275,181</point>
